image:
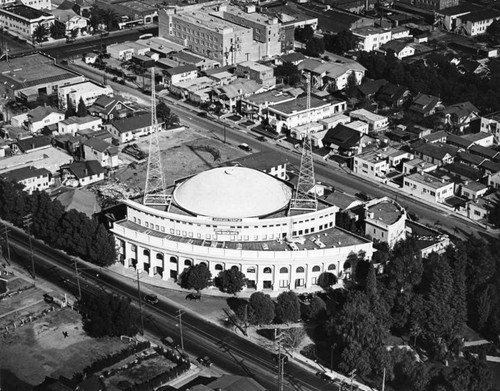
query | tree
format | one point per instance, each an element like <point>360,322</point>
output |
<point>162,112</point>
<point>232,281</point>
<point>341,42</point>
<point>40,33</point>
<point>293,337</point>
<point>261,308</point>
<point>317,308</point>
<point>110,18</point>
<point>102,250</point>
<point>315,47</point>
<point>351,86</point>
<point>288,308</point>
<point>82,109</point>
<point>288,72</point>
<point>327,279</point>
<point>494,214</point>
<point>57,30</point>
<point>371,281</point>
<point>96,18</point>
<point>70,109</point>
<point>304,34</point>
<point>109,315</point>
<point>195,277</point>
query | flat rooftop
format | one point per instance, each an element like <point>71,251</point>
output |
<point>331,238</point>
<point>428,180</point>
<point>372,157</point>
<point>272,96</point>
<point>299,104</point>
<point>27,71</point>
<point>202,18</point>
<point>255,17</point>
<point>385,211</point>
<point>26,12</point>
<point>50,158</point>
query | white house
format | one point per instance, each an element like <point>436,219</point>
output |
<point>371,38</point>
<point>32,178</point>
<point>375,122</point>
<point>494,180</point>
<point>179,74</point>
<point>428,187</point>
<point>125,51</point>
<point>400,48</point>
<point>83,172</point>
<point>22,21</point>
<point>128,129</point>
<point>89,91</point>
<point>491,124</point>
<point>334,120</point>
<point>75,124</point>
<point>35,120</point>
<point>105,153</point>
<point>360,126</point>
<point>385,221</point>
<point>371,164</point>
<point>472,190</point>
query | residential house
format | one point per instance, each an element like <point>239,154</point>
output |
<point>124,51</point>
<point>385,221</point>
<point>83,201</point>
<point>417,166</point>
<point>438,137</point>
<point>371,38</point>
<point>197,90</point>
<point>73,23</point>
<point>360,126</point>
<point>74,124</point>
<point>179,74</point>
<point>375,122</point>
<point>469,66</point>
<point>271,162</point>
<point>476,23</point>
<point>343,141</point>
<point>448,18</point>
<point>439,154</point>
<point>487,153</point>
<point>105,153</point>
<point>90,58</point>
<point>393,95</point>
<point>334,120</point>
<point>200,62</point>
<point>82,173</point>
<point>370,88</point>
<point>472,190</point>
<point>469,159</point>
<point>110,108</point>
<point>418,131</point>
<point>425,105</point>
<point>462,172</point>
<point>45,156</point>
<point>395,156</point>
<point>371,164</point>
<point>332,76</point>
<point>89,91</point>
<point>230,95</point>
<point>491,124</point>
<point>400,48</point>
<point>428,240</point>
<point>21,21</point>
<point>262,74</point>
<point>38,118</point>
<point>294,58</point>
<point>480,208</point>
<point>221,76</point>
<point>494,180</point>
<point>285,116</point>
<point>31,144</point>
<point>460,115</point>
<point>459,141</point>
<point>32,178</point>
<point>482,139</point>
<point>254,106</point>
<point>428,187</point>
<point>489,167</point>
<point>128,129</point>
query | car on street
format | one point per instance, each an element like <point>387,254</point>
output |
<point>363,196</point>
<point>202,114</point>
<point>168,341</point>
<point>151,299</point>
<point>245,147</point>
<point>205,361</point>
<point>325,377</point>
<point>261,138</point>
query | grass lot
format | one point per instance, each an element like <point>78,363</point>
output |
<point>38,349</point>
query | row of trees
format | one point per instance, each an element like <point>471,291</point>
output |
<point>437,76</point>
<point>315,46</point>
<point>428,301</point>
<point>70,231</point>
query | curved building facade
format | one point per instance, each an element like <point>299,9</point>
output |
<point>237,217</point>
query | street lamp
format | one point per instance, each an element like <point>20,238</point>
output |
<point>27,221</point>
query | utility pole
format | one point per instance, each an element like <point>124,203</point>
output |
<point>27,221</point>
<point>281,360</point>
<point>4,231</point>
<point>179,315</point>
<point>140,300</point>
<point>78,281</point>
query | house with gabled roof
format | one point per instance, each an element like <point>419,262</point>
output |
<point>489,167</point>
<point>494,180</point>
<point>72,125</point>
<point>477,22</point>
<point>463,171</point>
<point>229,95</point>
<point>370,88</point>
<point>38,118</point>
<point>294,58</point>
<point>487,153</point>
<point>439,154</point>
<point>83,172</point>
<point>105,153</point>
<point>32,178</point>
<point>460,115</point>
<point>110,108</point>
<point>343,140</point>
<point>393,95</point>
<point>400,48</point>
<point>425,105</point>
<point>469,159</point>
<point>436,137</point>
<point>128,129</point>
<point>31,144</point>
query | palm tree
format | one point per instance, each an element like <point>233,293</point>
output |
<point>40,33</point>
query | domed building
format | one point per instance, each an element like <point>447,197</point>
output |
<point>239,217</point>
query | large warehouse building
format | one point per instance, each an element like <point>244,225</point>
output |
<point>239,217</point>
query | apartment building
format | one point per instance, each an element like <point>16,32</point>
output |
<point>207,35</point>
<point>385,221</point>
<point>254,71</point>
<point>179,74</point>
<point>89,91</point>
<point>32,178</point>
<point>21,20</point>
<point>371,164</point>
<point>73,125</point>
<point>428,187</point>
<point>371,38</point>
<point>375,122</point>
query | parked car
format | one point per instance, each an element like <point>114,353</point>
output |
<point>205,360</point>
<point>363,196</point>
<point>168,341</point>
<point>202,114</point>
<point>151,299</point>
<point>245,147</point>
<point>325,377</point>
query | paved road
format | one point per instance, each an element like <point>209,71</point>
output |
<point>229,351</point>
<point>327,172</point>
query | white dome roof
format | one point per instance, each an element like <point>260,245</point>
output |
<point>232,192</point>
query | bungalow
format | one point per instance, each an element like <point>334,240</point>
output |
<point>458,141</point>
<point>90,58</point>
<point>494,180</point>
<point>400,48</point>
<point>128,129</point>
<point>72,125</point>
<point>375,122</point>
<point>439,154</point>
<point>229,95</point>
<point>460,115</point>
<point>32,178</point>
<point>462,172</point>
<point>472,190</point>
<point>487,153</point>
<point>425,105</point>
<point>83,172</point>
<point>110,108</point>
<point>89,91</point>
<point>489,167</point>
<point>393,95</point>
<point>31,144</point>
<point>103,152</point>
<point>38,118</point>
<point>480,208</point>
<point>179,74</point>
<point>491,124</point>
<point>417,166</point>
<point>469,159</point>
<point>482,139</point>
<point>436,137</point>
<point>428,187</point>
<point>343,141</point>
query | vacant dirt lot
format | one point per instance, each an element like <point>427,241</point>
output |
<point>39,349</point>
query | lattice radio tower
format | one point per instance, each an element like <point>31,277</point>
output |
<point>305,194</point>
<point>155,189</point>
